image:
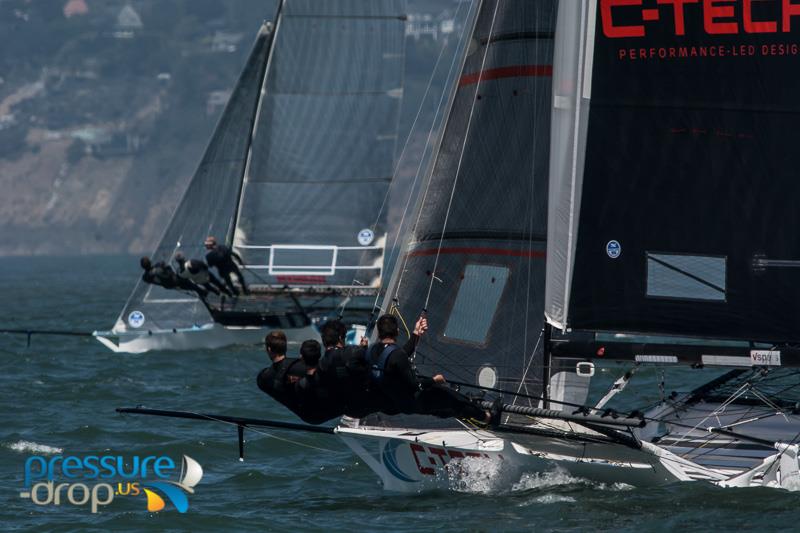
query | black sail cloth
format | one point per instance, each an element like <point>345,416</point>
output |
<point>476,257</point>
<point>687,213</point>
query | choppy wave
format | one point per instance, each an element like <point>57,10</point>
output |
<point>480,475</point>
<point>560,477</point>
<point>26,446</point>
<point>553,498</point>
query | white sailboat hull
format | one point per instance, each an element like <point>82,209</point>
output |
<point>408,460</point>
<point>199,338</point>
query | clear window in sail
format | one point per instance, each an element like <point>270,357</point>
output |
<point>688,277</point>
<point>476,303</point>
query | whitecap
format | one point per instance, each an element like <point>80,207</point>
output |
<point>24,446</point>
<point>538,480</point>
<point>553,498</point>
<point>553,478</point>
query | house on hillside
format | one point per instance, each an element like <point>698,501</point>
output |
<point>128,23</point>
<point>434,26</point>
<point>75,8</point>
<point>104,143</point>
<point>216,101</point>
<point>224,41</point>
<point>119,145</point>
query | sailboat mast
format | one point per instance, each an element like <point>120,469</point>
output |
<point>547,359</point>
<point>253,127</point>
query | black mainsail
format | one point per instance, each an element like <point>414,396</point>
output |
<point>671,184</point>
<point>673,189</point>
<point>474,260</point>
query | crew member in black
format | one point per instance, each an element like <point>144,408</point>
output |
<point>197,272</point>
<point>222,257</point>
<point>315,401</point>
<point>344,372</point>
<point>163,275</point>
<point>406,392</point>
<point>279,380</point>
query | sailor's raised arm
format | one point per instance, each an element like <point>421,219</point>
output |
<point>419,330</point>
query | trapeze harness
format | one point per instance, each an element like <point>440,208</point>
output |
<point>378,367</point>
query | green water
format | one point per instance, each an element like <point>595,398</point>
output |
<point>59,396</point>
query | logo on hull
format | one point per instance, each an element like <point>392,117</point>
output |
<point>426,458</point>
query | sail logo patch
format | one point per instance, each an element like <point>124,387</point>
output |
<point>365,237</point>
<point>754,26</point>
<point>629,18</point>
<point>765,357</point>
<point>136,319</point>
<point>613,249</point>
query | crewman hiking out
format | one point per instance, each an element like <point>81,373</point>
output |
<point>196,271</point>
<point>315,402</point>
<point>279,380</point>
<point>393,375</point>
<point>162,274</point>
<point>353,381</point>
<point>222,257</point>
<point>344,371</point>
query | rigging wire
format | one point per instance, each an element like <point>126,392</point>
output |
<point>531,222</point>
<point>402,271</point>
<point>460,159</point>
<point>262,432</point>
<point>721,409</point>
<point>738,414</point>
<point>402,154</point>
<point>528,367</point>
<point>396,251</point>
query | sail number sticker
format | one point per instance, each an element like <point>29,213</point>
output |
<point>136,319</point>
<point>765,357</point>
<point>365,237</point>
<point>613,249</point>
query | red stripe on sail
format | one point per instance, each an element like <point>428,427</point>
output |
<point>481,251</point>
<point>517,71</point>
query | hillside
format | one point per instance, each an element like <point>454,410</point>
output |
<point>106,106</point>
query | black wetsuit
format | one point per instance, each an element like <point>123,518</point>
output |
<point>406,392</point>
<point>279,382</point>
<point>344,373</point>
<point>197,272</point>
<point>222,257</point>
<point>315,401</point>
<point>163,275</point>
